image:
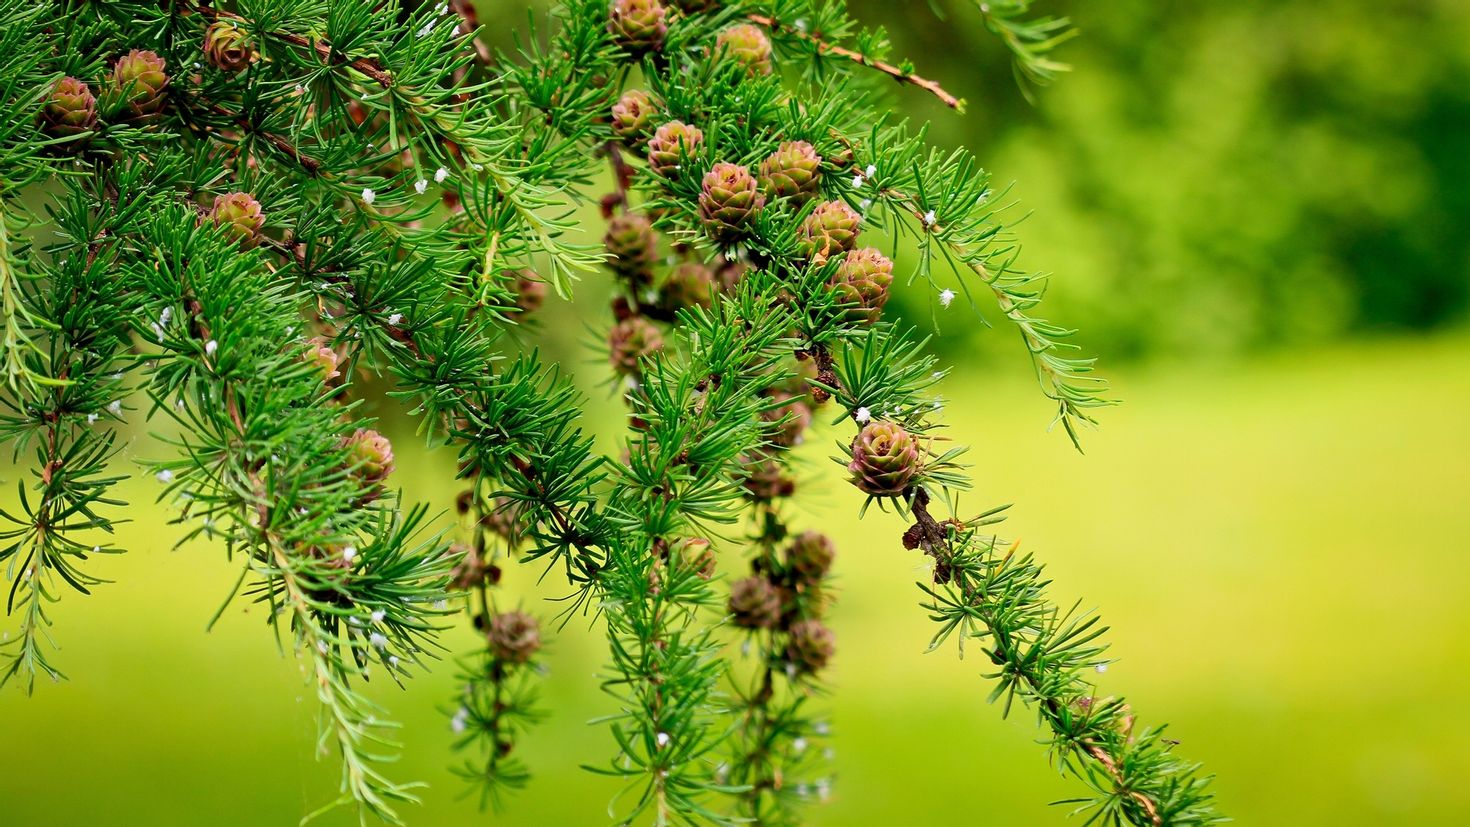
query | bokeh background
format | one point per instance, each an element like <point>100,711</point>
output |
<point>1257,214</point>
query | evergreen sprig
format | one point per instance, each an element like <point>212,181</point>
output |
<point>238,210</point>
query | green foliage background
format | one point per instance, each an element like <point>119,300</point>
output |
<point>1277,538</point>
<point>1216,178</point>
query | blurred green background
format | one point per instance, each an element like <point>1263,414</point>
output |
<point>1256,213</point>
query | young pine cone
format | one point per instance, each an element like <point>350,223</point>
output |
<point>323,358</point>
<point>671,145</point>
<point>792,171</point>
<point>729,198</point>
<point>530,291</point>
<point>369,456</point>
<point>632,248</point>
<point>764,481</point>
<point>796,413</point>
<point>810,647</point>
<point>746,43</point>
<point>810,555</point>
<point>862,282</point>
<point>138,79</point>
<point>239,214</point>
<point>695,554</point>
<point>885,458</point>
<point>632,117</point>
<point>504,519</point>
<point>71,109</point>
<point>227,46</point>
<point>688,285</point>
<point>638,25</point>
<point>830,229</point>
<point>755,603</point>
<point>514,637</point>
<point>631,340</point>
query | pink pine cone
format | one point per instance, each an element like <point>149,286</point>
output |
<point>885,459</point>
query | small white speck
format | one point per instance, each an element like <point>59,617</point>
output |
<point>378,616</point>
<point>354,621</point>
<point>867,202</point>
<point>210,347</point>
<point>427,29</point>
<point>946,296</point>
<point>440,174</point>
<point>321,646</point>
<point>871,170</point>
<point>393,660</point>
<point>96,549</point>
<point>863,416</point>
<point>440,605</point>
<point>857,182</point>
<point>800,24</point>
<point>165,476</point>
<point>799,745</point>
<point>822,728</point>
<point>477,167</point>
<point>662,739</point>
<point>420,185</point>
<point>300,89</point>
<point>368,196</point>
<point>1101,668</point>
<point>165,316</point>
<point>91,418</point>
<point>930,218</point>
<point>179,403</point>
<point>349,554</point>
<point>457,723</point>
<point>441,9</point>
<point>378,640</point>
<point>115,406</point>
<point>395,318</point>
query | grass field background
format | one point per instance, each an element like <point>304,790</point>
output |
<point>1280,547</point>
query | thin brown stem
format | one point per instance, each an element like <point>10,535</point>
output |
<point>898,74</point>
